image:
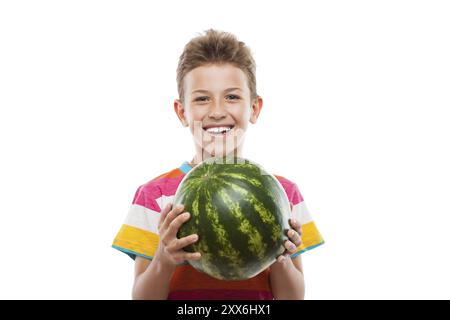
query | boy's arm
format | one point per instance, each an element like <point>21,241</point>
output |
<point>286,279</point>
<point>152,279</point>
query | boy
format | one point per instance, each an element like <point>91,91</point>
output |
<point>217,91</point>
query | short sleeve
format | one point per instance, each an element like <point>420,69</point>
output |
<point>311,237</point>
<point>138,235</point>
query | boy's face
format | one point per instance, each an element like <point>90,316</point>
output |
<point>217,108</point>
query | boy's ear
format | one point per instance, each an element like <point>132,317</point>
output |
<point>256,109</point>
<point>179,110</point>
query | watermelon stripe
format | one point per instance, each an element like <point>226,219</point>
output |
<point>252,216</point>
<point>224,252</point>
<point>243,225</point>
<point>188,228</point>
<point>231,223</point>
<point>245,195</point>
<point>221,234</point>
<point>207,247</point>
<point>262,206</point>
<point>243,177</point>
<point>195,209</point>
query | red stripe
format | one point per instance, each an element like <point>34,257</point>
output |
<point>187,278</point>
<point>220,295</point>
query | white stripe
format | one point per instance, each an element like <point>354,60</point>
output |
<point>164,200</point>
<point>300,213</point>
<point>143,218</point>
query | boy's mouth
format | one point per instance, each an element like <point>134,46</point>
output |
<point>218,130</point>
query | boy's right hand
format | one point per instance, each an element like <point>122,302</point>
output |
<point>170,247</point>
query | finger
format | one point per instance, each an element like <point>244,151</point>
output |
<point>290,246</point>
<point>176,223</point>
<point>172,215</point>
<point>185,241</point>
<point>192,256</point>
<point>296,226</point>
<point>283,257</point>
<point>164,213</point>
<point>295,237</point>
<point>181,256</point>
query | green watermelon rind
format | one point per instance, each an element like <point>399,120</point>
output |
<point>226,264</point>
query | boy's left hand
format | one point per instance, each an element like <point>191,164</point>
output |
<point>294,241</point>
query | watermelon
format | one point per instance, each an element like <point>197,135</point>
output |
<point>240,214</point>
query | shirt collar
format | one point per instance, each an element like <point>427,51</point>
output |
<point>185,167</point>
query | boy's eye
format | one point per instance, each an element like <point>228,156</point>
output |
<point>232,96</point>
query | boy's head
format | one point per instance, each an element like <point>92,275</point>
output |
<point>217,90</point>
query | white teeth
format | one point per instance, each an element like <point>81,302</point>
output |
<point>218,129</point>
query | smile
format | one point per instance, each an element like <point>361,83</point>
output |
<point>219,131</point>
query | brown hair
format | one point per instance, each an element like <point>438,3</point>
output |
<point>216,47</point>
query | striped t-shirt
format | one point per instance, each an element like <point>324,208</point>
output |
<point>138,236</point>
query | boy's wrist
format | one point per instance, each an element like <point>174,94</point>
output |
<point>163,264</point>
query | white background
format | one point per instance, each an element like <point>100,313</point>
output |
<point>356,99</point>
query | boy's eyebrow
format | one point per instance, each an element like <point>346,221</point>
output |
<point>226,90</point>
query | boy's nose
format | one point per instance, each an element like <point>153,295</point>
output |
<point>217,112</point>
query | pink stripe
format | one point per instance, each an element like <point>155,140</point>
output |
<point>292,191</point>
<point>139,197</point>
<point>169,185</point>
<point>220,295</point>
<point>147,193</point>
<point>146,197</point>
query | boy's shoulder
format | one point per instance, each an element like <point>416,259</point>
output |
<point>291,189</point>
<point>163,184</point>
<point>285,182</point>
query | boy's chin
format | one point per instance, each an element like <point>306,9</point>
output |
<point>223,153</point>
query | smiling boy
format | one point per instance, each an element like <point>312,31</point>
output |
<point>219,115</point>
<point>217,100</point>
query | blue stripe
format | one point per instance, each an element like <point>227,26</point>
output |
<point>132,254</point>
<point>306,249</point>
<point>185,167</point>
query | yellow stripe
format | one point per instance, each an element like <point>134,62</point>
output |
<point>310,236</point>
<point>137,240</point>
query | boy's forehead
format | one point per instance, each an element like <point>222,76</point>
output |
<point>215,78</point>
